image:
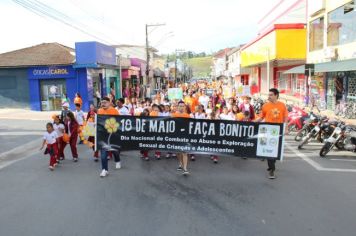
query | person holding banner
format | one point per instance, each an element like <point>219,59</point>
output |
<point>122,108</point>
<point>198,114</point>
<point>91,119</point>
<point>182,157</point>
<point>72,128</point>
<point>107,109</point>
<point>274,112</point>
<point>156,111</point>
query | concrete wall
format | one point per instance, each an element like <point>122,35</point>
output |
<point>264,84</point>
<point>14,89</point>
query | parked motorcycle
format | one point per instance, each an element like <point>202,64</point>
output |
<point>321,131</point>
<point>344,136</point>
<point>296,118</point>
<point>257,105</point>
<point>309,124</point>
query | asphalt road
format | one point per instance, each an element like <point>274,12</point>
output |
<point>233,197</point>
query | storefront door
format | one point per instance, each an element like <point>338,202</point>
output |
<point>51,94</point>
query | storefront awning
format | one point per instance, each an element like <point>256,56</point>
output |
<point>296,70</point>
<point>334,66</point>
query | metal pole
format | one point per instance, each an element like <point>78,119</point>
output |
<point>175,69</point>
<point>147,56</point>
<point>120,69</point>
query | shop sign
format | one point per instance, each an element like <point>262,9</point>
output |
<point>93,53</point>
<point>51,72</point>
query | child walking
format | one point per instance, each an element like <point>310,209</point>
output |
<point>91,119</point>
<point>58,126</point>
<point>79,116</point>
<point>71,128</point>
<point>50,138</point>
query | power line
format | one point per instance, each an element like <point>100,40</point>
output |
<point>38,11</point>
<point>45,11</point>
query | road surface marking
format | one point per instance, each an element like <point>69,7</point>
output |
<point>21,133</point>
<point>342,160</point>
<point>316,165</point>
<point>27,148</point>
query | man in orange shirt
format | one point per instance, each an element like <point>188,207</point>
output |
<point>274,112</point>
<point>107,109</point>
<point>182,157</point>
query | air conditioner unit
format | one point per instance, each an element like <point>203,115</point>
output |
<point>330,53</point>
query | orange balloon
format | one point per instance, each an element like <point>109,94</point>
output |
<point>66,138</point>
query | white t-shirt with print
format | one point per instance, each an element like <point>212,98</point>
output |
<point>204,100</point>
<point>59,129</point>
<point>79,116</point>
<point>198,116</point>
<point>123,111</point>
<point>50,138</point>
<point>226,117</point>
<point>165,113</point>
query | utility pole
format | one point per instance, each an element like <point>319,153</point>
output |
<point>147,49</point>
<point>175,67</point>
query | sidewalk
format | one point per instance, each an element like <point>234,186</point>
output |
<point>23,114</point>
<point>328,113</point>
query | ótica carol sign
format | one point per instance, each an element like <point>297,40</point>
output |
<point>51,72</point>
<point>221,137</point>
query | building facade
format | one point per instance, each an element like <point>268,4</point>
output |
<point>332,51</point>
<point>279,46</point>
<point>39,77</point>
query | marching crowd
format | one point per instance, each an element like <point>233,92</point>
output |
<point>66,127</point>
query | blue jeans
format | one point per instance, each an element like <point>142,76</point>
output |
<point>104,158</point>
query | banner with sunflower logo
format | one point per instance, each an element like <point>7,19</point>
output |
<point>222,137</point>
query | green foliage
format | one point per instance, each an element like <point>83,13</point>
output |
<point>201,65</point>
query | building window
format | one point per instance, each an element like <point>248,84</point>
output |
<point>316,34</point>
<point>342,25</point>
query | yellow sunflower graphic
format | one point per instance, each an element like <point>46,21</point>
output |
<point>275,113</point>
<point>111,125</point>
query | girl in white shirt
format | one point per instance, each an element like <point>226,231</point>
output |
<point>79,116</point>
<point>58,126</point>
<point>50,138</point>
<point>198,114</point>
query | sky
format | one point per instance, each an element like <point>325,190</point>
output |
<point>191,25</point>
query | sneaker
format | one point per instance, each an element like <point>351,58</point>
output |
<point>61,158</point>
<point>174,155</point>
<point>215,160</point>
<point>104,173</point>
<point>96,159</point>
<point>192,158</point>
<point>118,165</point>
<point>271,175</point>
<point>179,168</point>
<point>269,169</point>
<point>185,172</point>
<point>51,168</point>
<point>168,156</point>
<point>75,159</point>
<point>158,157</point>
<point>146,158</point>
